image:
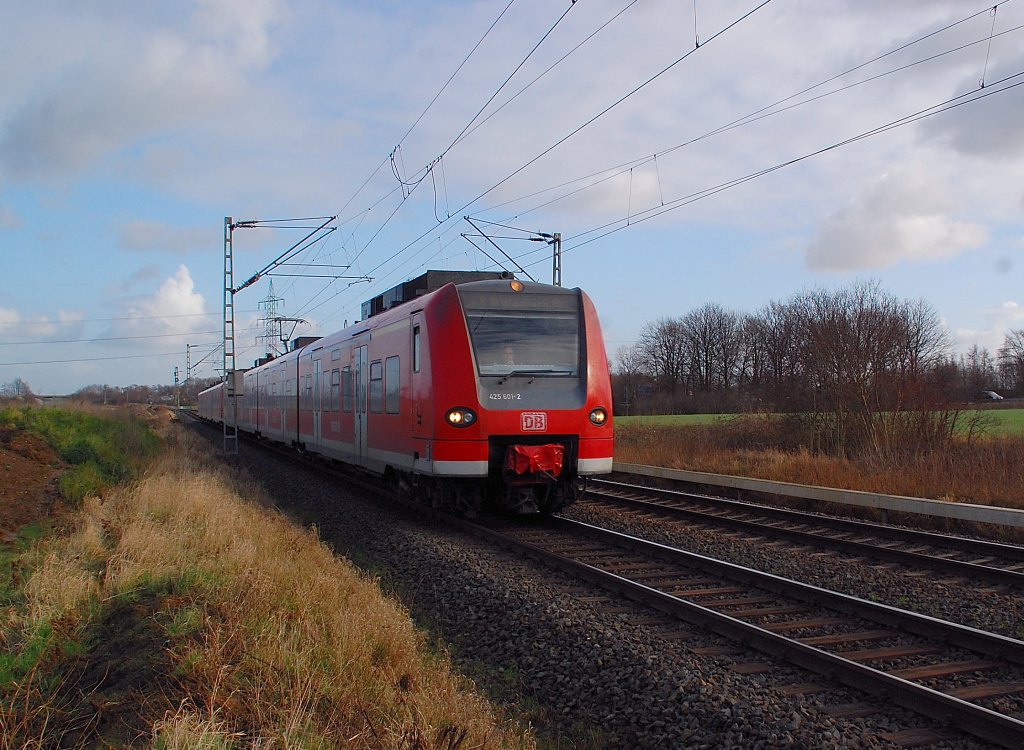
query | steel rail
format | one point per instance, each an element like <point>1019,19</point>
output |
<point>981,546</point>
<point>981,722</point>
<point>970,570</point>
<point>1011,518</point>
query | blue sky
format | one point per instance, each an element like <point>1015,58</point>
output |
<point>129,131</point>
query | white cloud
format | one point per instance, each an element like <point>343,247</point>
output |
<point>999,321</point>
<point>176,296</point>
<point>169,315</point>
<point>15,326</point>
<point>67,318</point>
<point>138,81</point>
<point>902,217</point>
<point>8,319</point>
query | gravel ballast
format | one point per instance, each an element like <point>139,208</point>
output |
<point>586,677</point>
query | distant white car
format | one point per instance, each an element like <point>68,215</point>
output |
<point>991,396</point>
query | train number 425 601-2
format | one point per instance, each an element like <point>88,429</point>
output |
<point>504,396</point>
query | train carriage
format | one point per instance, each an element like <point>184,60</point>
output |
<point>467,390</point>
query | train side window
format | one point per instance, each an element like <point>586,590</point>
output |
<point>416,349</point>
<point>391,385</point>
<point>346,389</point>
<point>335,390</point>
<point>335,355</point>
<point>376,387</point>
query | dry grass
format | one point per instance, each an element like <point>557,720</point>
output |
<point>987,472</point>
<point>270,640</point>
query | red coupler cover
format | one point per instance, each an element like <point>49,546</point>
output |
<point>528,459</point>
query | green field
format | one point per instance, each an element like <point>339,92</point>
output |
<point>1001,421</point>
<point>674,420</point>
<point>1007,421</point>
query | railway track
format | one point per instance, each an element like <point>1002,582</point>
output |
<point>957,676</point>
<point>965,559</point>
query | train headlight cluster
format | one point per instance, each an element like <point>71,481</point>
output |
<point>460,416</point>
<point>599,416</point>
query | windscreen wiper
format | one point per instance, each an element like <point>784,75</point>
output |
<point>533,372</point>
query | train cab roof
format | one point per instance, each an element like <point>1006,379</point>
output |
<point>430,281</point>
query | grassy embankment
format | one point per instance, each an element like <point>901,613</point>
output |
<point>180,612</point>
<point>100,451</point>
<point>987,468</point>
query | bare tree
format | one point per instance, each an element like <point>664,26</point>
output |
<point>662,345</point>
<point>1011,361</point>
<point>867,355</point>
<point>628,374</point>
<point>860,370</point>
<point>777,374</point>
<point>978,372</point>
<point>714,345</point>
<point>17,390</point>
<point>926,338</point>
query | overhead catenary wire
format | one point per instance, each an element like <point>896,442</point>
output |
<point>988,51</point>
<point>440,91</point>
<point>617,102</point>
<point>291,252</point>
<point>408,186</point>
<point>853,69</point>
<point>413,184</point>
<point>176,353</point>
<point>511,75</point>
<point>76,321</point>
<point>456,72</point>
<point>108,338</point>
<point>765,112</point>
<point>608,109</point>
<point>547,70</point>
<point>468,130</point>
<point>470,221</point>
<point>580,128</point>
<point>306,309</point>
<point>446,227</point>
<point>941,107</point>
<point>936,109</point>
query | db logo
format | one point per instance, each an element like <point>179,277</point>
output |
<point>534,421</point>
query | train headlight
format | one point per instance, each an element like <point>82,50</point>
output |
<point>460,416</point>
<point>599,416</point>
<point>516,285</point>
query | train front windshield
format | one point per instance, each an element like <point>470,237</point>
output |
<point>534,335</point>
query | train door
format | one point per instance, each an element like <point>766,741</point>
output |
<point>265,405</point>
<point>359,412</point>
<point>317,405</point>
<point>420,391</point>
<point>271,397</point>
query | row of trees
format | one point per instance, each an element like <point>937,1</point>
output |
<point>143,394</point>
<point>20,391</point>
<point>17,390</point>
<point>866,368</point>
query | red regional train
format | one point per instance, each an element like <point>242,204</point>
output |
<point>471,389</point>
